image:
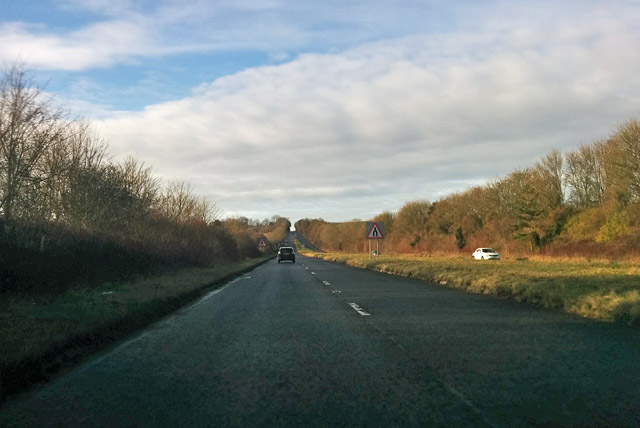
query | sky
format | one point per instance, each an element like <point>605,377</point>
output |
<point>335,109</point>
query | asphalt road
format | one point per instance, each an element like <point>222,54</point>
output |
<point>318,344</point>
<point>306,243</point>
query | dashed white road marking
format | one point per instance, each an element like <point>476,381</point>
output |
<point>313,273</point>
<point>336,291</point>
<point>359,310</point>
<point>326,282</point>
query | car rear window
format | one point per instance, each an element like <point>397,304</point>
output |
<point>286,250</point>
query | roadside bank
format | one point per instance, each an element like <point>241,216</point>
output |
<point>43,336</point>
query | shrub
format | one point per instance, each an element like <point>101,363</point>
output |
<point>615,227</point>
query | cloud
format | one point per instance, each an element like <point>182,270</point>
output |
<point>77,50</point>
<point>126,31</point>
<point>367,129</point>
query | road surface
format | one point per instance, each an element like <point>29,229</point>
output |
<point>317,344</point>
<point>306,243</point>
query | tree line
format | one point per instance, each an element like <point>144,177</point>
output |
<point>68,213</point>
<point>583,203</point>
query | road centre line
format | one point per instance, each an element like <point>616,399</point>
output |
<point>442,382</point>
<point>359,310</point>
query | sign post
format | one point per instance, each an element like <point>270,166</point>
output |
<point>375,231</point>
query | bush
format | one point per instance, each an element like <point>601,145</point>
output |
<point>616,226</point>
<point>48,259</point>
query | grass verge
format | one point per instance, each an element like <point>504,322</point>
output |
<point>603,290</point>
<point>40,336</point>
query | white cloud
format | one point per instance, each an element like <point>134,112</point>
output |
<point>98,45</point>
<point>368,129</point>
<point>129,31</point>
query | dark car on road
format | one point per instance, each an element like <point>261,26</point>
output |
<point>286,253</point>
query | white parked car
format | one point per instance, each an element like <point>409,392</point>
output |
<point>486,254</point>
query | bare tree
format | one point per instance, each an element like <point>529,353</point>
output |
<point>548,181</point>
<point>585,175</point>
<point>623,161</point>
<point>140,183</point>
<point>85,167</point>
<point>208,211</point>
<point>63,166</point>
<point>29,126</point>
<point>178,203</point>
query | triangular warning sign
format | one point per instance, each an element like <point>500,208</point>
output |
<point>262,243</point>
<point>375,232</point>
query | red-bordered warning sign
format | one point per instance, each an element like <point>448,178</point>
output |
<point>375,230</point>
<point>262,243</point>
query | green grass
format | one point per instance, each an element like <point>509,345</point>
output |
<point>597,289</point>
<point>41,335</point>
